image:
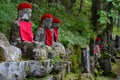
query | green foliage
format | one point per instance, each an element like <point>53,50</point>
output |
<point>117,54</point>
<point>57,59</point>
<point>115,3</point>
<point>116,30</point>
<point>103,17</point>
<point>103,78</point>
<point>75,58</point>
<point>113,14</point>
<point>105,55</point>
<point>7,15</point>
<point>76,29</point>
<point>71,76</point>
<point>106,14</point>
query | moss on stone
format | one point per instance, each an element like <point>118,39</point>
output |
<point>32,78</point>
<point>105,55</point>
<point>57,59</point>
<point>75,59</point>
<point>71,76</point>
<point>2,55</point>
<point>27,68</point>
<point>71,48</point>
<point>115,66</point>
<point>52,62</point>
<point>117,54</point>
<point>102,78</point>
<point>45,78</point>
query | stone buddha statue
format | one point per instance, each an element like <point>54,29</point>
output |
<point>21,33</point>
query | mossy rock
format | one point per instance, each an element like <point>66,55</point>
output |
<point>28,51</point>
<point>71,48</point>
<point>86,76</point>
<point>31,78</point>
<point>72,76</point>
<point>117,55</point>
<point>27,68</point>
<point>57,59</point>
<point>2,54</point>
<point>105,55</point>
<point>75,59</point>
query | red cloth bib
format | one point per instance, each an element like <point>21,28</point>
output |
<point>56,34</point>
<point>26,31</point>
<point>48,34</point>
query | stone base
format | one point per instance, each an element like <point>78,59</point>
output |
<point>25,69</point>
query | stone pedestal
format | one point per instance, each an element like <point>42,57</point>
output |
<point>85,60</point>
<point>22,69</point>
<point>106,65</point>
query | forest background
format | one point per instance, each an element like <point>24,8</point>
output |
<point>81,20</point>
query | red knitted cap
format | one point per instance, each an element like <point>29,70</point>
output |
<point>98,39</point>
<point>47,15</point>
<point>56,20</point>
<point>24,5</point>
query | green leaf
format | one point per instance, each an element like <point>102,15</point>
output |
<point>109,0</point>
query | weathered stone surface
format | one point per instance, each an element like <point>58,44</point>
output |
<point>57,77</point>
<point>117,43</point>
<point>92,64</point>
<point>60,50</point>
<point>39,51</point>
<point>85,60</point>
<point>40,54</point>
<point>43,54</point>
<point>20,70</point>
<point>48,65</point>
<point>35,69</point>
<point>12,71</point>
<point>8,52</point>
<point>34,51</point>
<point>57,68</point>
<point>67,65</point>
<point>63,73</point>
<point>106,65</point>
<point>3,40</point>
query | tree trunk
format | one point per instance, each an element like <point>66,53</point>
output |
<point>117,45</point>
<point>109,28</point>
<point>109,34</point>
<point>69,4</point>
<point>103,5</point>
<point>81,3</point>
<point>96,6</point>
<point>72,4</point>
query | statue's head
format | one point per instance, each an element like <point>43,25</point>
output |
<point>98,40</point>
<point>24,11</point>
<point>47,20</point>
<point>56,23</point>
